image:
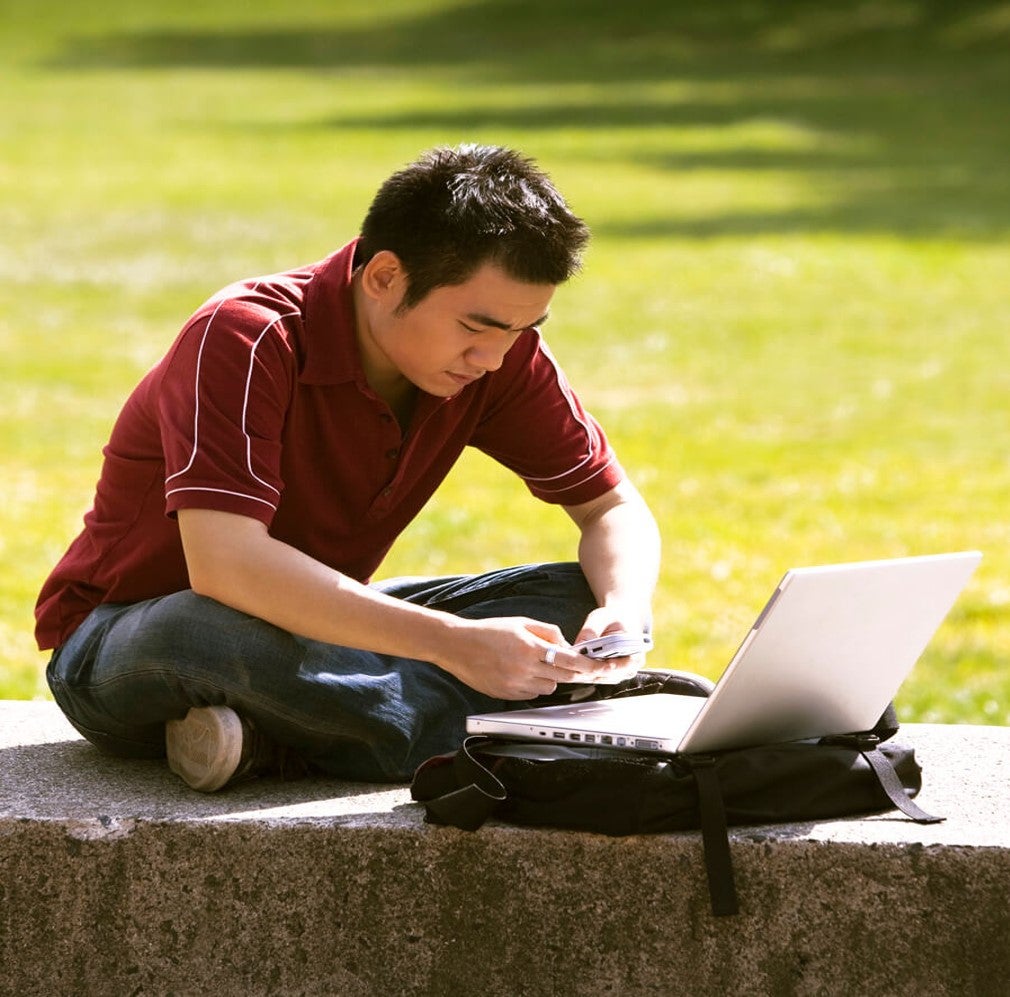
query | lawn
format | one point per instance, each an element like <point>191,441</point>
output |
<point>793,319</point>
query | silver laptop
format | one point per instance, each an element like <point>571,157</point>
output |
<point>826,655</point>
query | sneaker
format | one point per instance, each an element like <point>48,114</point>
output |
<point>205,748</point>
<point>213,746</point>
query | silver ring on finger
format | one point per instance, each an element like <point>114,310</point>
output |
<point>549,655</point>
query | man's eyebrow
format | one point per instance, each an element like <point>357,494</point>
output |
<point>494,323</point>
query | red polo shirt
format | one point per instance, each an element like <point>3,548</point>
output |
<point>261,408</point>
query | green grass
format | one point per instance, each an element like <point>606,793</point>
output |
<point>793,318</point>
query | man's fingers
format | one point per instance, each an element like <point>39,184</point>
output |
<point>538,687</point>
<point>585,669</point>
<point>582,664</point>
<point>560,669</point>
<point>545,631</point>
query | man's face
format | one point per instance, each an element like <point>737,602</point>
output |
<point>454,335</point>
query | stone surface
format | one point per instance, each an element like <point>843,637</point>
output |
<point>117,879</point>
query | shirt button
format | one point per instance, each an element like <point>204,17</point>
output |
<point>393,454</point>
<point>386,417</point>
<point>387,492</point>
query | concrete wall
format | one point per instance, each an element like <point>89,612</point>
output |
<point>116,879</point>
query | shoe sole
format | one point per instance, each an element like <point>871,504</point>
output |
<point>205,747</point>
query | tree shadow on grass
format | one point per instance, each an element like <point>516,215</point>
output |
<point>566,39</point>
<point>919,169</point>
<point>901,105</point>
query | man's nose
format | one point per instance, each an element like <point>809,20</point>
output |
<point>488,356</point>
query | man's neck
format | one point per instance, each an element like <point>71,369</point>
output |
<point>382,377</point>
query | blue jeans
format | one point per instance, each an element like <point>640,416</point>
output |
<point>354,714</point>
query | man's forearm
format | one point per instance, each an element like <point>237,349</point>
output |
<point>619,551</point>
<point>233,559</point>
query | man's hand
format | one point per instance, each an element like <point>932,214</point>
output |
<point>516,658</point>
<point>511,657</point>
<point>607,620</point>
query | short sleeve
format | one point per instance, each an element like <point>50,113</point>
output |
<point>536,425</point>
<point>225,392</point>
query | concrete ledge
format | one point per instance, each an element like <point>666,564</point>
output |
<point>115,879</point>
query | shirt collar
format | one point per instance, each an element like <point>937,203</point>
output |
<point>331,342</point>
<point>331,345</point>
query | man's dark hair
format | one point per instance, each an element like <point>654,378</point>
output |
<point>456,209</point>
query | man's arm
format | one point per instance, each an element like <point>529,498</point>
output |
<point>619,552</point>
<point>234,560</point>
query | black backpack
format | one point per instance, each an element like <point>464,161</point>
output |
<point>617,792</point>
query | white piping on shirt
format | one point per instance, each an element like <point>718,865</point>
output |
<point>245,407</point>
<point>221,491</point>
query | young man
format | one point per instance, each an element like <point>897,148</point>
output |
<point>217,606</point>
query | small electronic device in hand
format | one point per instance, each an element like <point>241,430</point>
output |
<point>619,645</point>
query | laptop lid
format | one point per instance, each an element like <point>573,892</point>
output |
<point>826,655</point>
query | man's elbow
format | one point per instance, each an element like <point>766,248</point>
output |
<point>217,548</point>
<point>206,579</point>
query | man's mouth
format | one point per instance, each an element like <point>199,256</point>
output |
<point>462,379</point>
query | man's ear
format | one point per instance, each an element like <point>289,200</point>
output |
<point>384,278</point>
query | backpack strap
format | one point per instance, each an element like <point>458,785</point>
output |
<point>712,811</point>
<point>891,784</point>
<point>714,835</point>
<point>868,745</point>
<point>480,792</point>
<point>887,726</point>
<point>645,682</point>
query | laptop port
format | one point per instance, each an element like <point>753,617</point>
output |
<point>559,734</point>
<point>606,739</point>
<point>574,737</point>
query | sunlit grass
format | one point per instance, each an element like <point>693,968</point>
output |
<point>792,319</point>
